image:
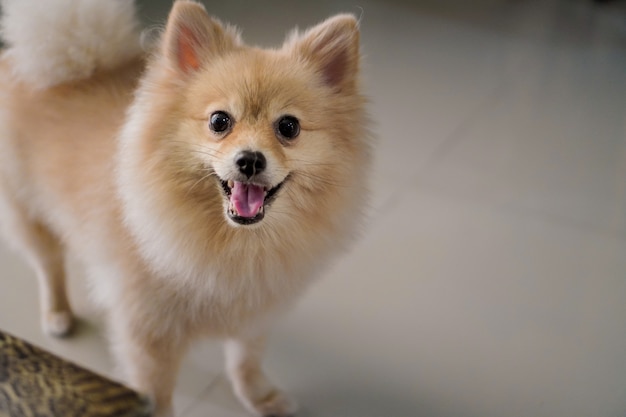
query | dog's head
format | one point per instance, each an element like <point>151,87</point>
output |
<point>259,126</point>
<point>232,149</point>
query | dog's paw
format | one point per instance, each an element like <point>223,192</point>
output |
<point>57,323</point>
<point>274,404</point>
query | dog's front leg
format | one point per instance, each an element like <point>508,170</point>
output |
<point>251,386</point>
<point>149,361</point>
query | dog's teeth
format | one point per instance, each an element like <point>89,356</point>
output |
<point>231,183</point>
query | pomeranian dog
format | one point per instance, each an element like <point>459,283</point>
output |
<point>203,183</point>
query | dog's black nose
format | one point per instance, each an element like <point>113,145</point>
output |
<point>250,163</point>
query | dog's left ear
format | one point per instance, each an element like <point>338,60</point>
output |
<point>192,37</point>
<point>333,46</point>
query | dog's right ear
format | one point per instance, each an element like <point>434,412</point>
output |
<point>192,37</point>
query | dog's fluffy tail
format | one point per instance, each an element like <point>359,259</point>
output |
<point>55,41</point>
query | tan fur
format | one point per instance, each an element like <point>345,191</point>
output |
<point>146,213</point>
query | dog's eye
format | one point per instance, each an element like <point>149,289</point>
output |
<point>288,127</point>
<point>220,122</point>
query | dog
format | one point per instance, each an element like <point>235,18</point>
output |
<point>203,183</point>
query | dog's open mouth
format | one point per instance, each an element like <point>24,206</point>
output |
<point>247,201</point>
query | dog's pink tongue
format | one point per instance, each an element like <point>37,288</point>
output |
<point>247,198</point>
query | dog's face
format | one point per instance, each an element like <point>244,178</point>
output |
<point>259,134</point>
<point>270,130</point>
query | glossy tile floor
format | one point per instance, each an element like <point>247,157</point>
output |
<point>491,281</point>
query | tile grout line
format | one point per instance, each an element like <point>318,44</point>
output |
<point>447,143</point>
<point>453,138</point>
<point>529,213</point>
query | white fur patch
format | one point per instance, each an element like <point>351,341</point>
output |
<point>54,41</point>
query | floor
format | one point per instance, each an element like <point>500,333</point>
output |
<point>491,281</point>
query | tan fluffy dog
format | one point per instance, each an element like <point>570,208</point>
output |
<point>203,185</point>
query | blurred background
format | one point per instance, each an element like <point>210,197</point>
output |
<point>491,279</point>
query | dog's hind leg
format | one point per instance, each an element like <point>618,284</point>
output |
<point>47,257</point>
<point>44,252</point>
